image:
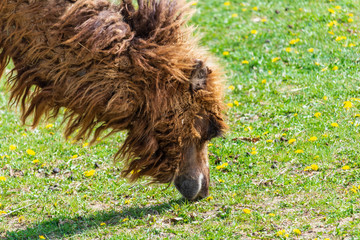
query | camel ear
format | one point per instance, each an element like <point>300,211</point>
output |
<point>199,76</point>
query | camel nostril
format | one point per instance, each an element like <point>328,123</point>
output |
<point>191,189</point>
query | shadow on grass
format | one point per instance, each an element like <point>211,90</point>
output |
<point>61,227</point>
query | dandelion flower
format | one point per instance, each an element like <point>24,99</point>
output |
<point>236,103</point>
<point>338,7</point>
<point>89,173</point>
<point>291,141</point>
<point>246,210</point>
<point>281,232</point>
<point>21,218</point>
<point>2,212</point>
<point>225,53</point>
<point>352,45</point>
<point>314,167</point>
<point>275,59</point>
<point>263,81</point>
<point>297,231</point>
<point>325,98</point>
<point>317,114</point>
<point>234,15</point>
<point>221,181</point>
<point>42,237</point>
<point>85,144</point>
<point>269,141</point>
<point>253,153</point>
<point>253,31</point>
<point>347,105</point>
<point>350,20</point>
<point>102,224</point>
<point>227,3</point>
<point>209,198</point>
<point>12,147</point>
<point>30,152</point>
<point>125,219</point>
<point>231,87</point>
<point>230,104</point>
<point>313,139</point>
<point>299,151</point>
<point>288,49</point>
<point>49,126</point>
<point>332,11</point>
<point>74,156</point>
<point>346,167</point>
<point>245,62</point>
<point>2,178</point>
<point>334,125</point>
<point>295,114</point>
<point>271,215</point>
<point>127,201</point>
<point>339,38</point>
<point>310,50</point>
<point>335,68</point>
<point>263,20</point>
<point>293,41</point>
<point>36,161</point>
<point>255,8</point>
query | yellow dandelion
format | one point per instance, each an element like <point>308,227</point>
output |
<point>246,210</point>
<point>127,201</point>
<point>338,7</point>
<point>194,3</point>
<point>299,151</point>
<point>275,59</point>
<point>21,219</point>
<point>49,126</point>
<point>331,32</point>
<point>346,167</point>
<point>332,11</point>
<point>253,153</point>
<point>41,237</point>
<point>271,214</point>
<point>234,15</point>
<point>221,181</point>
<point>12,147</point>
<point>352,45</point>
<point>30,152</point>
<point>227,3</point>
<point>313,139</point>
<point>295,114</point>
<point>230,104</point>
<point>314,167</point>
<point>307,168</point>
<point>350,20</point>
<point>231,87</point>
<point>297,231</point>
<point>236,103</point>
<point>294,41</point>
<point>225,53</point>
<point>310,50</point>
<point>253,31</point>
<point>36,161</point>
<point>270,72</point>
<point>325,98</point>
<point>334,125</point>
<point>24,134</point>
<point>269,141</point>
<point>281,232</point>
<point>245,62</point>
<point>74,156</point>
<point>85,144</point>
<point>317,114</point>
<point>263,20</point>
<point>255,8</point>
<point>324,69</point>
<point>2,178</point>
<point>43,165</point>
<point>291,141</point>
<point>339,38</point>
<point>209,198</point>
<point>243,9</point>
<point>125,219</point>
<point>89,173</point>
<point>2,212</point>
<point>263,81</point>
<point>335,68</point>
<point>347,105</point>
<point>288,49</point>
<point>102,224</point>
<point>234,195</point>
<point>316,157</point>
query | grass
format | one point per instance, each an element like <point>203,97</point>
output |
<point>262,187</point>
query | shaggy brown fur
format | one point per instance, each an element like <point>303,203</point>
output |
<point>114,67</point>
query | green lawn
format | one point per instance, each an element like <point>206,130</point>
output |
<point>289,161</point>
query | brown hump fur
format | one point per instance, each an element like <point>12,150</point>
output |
<point>111,67</point>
